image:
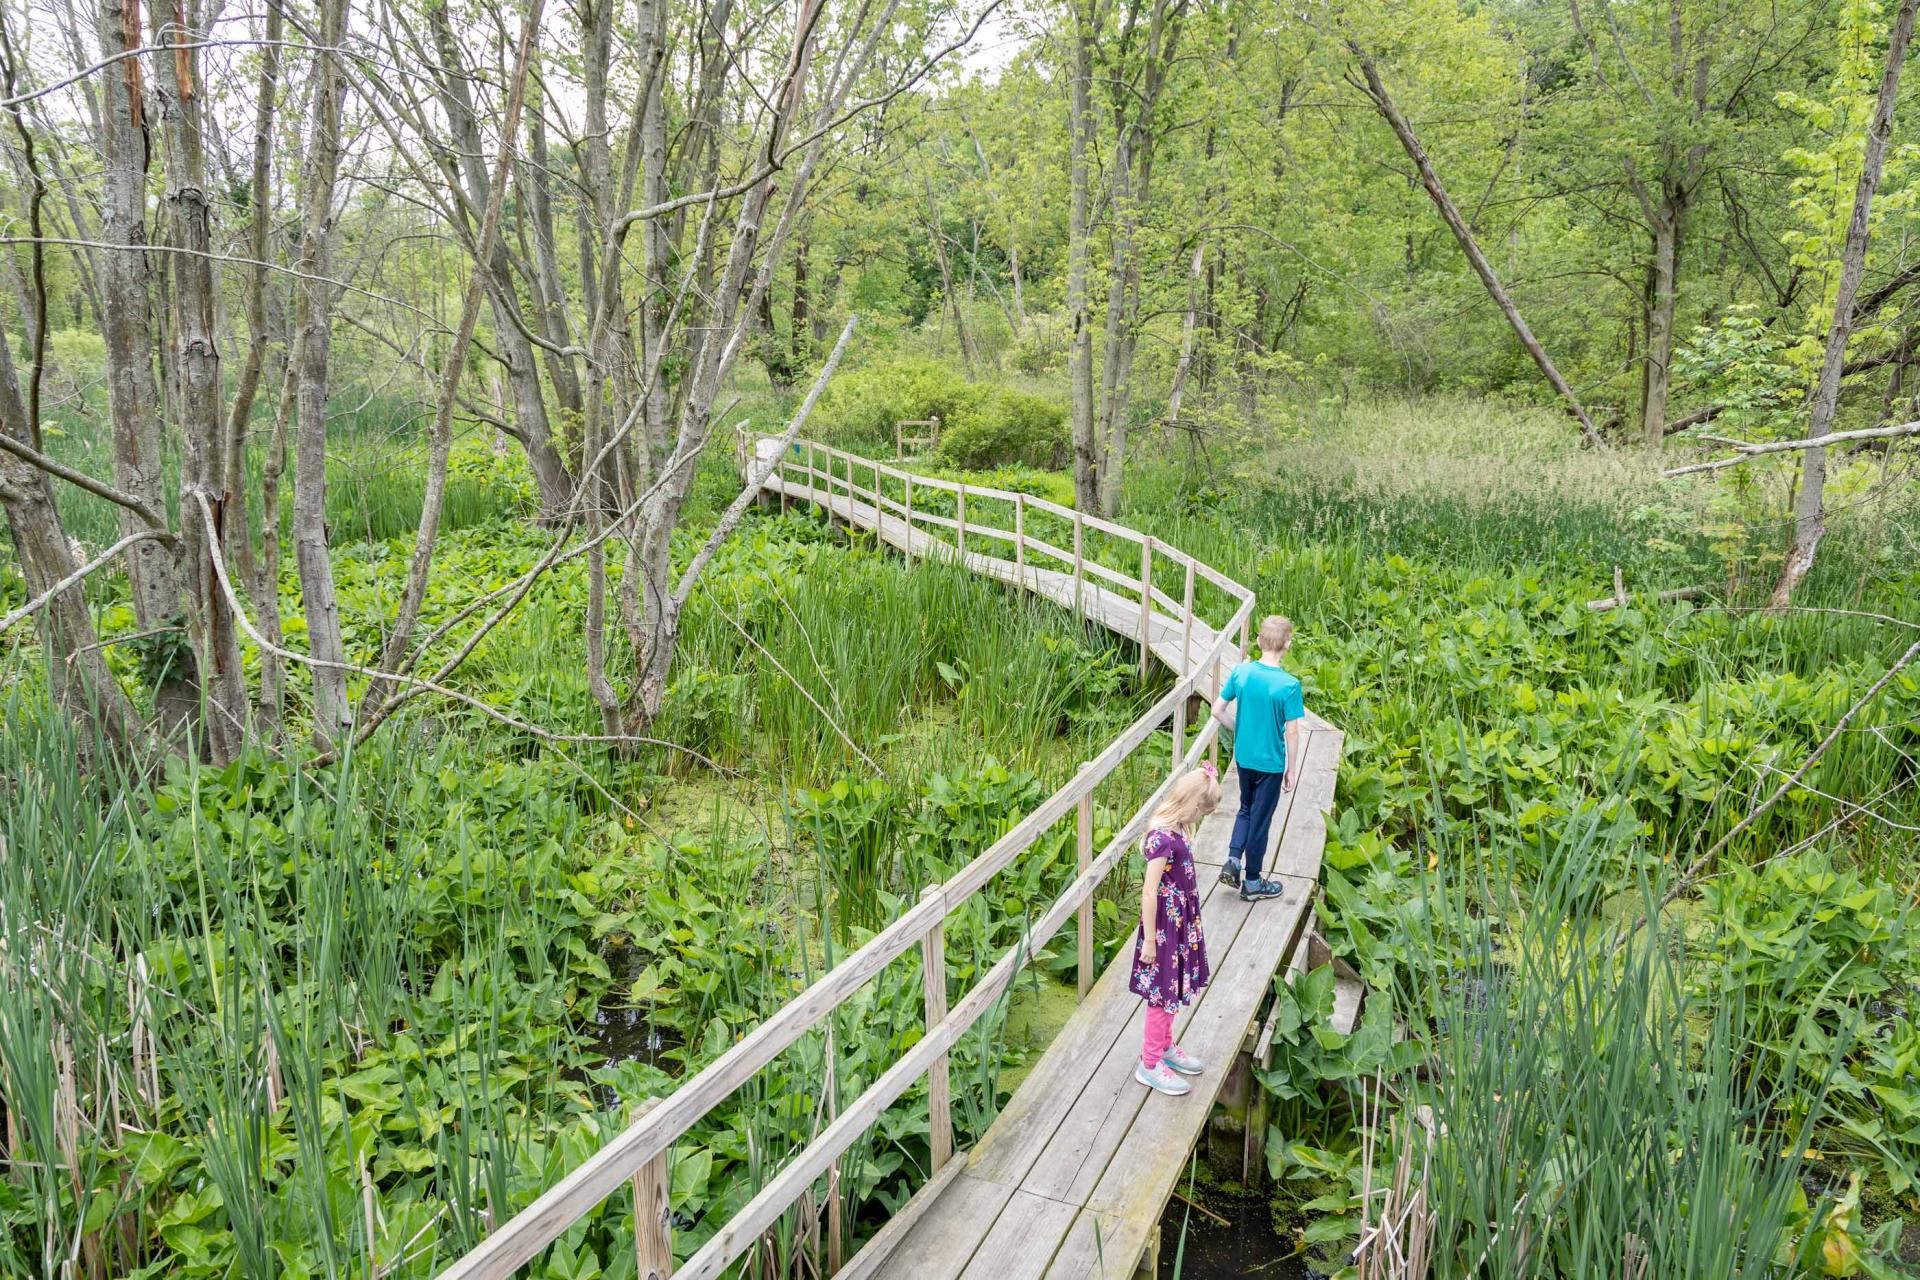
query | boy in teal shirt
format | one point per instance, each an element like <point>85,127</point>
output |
<point>1266,738</point>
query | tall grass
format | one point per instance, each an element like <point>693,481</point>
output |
<point>1587,1117</point>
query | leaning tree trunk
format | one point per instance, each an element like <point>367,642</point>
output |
<point>153,574</point>
<point>531,426</point>
<point>1810,506</point>
<point>1376,91</point>
<point>196,365</point>
<point>313,308</point>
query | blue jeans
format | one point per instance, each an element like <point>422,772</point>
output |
<point>1259,796</point>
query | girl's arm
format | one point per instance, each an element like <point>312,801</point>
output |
<point>1149,909</point>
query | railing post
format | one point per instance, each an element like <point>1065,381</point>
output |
<point>1146,605</point>
<point>879,511</point>
<point>1083,844</point>
<point>836,1246</point>
<point>1020,540</point>
<point>933,975</point>
<point>652,1212</point>
<point>909,544</point>
<point>1179,733</point>
<point>1186,627</point>
<point>961,539</point>
<point>1079,560</point>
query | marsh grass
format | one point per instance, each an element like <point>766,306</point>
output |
<point>1589,1117</point>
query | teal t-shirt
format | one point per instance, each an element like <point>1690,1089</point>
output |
<point>1268,697</point>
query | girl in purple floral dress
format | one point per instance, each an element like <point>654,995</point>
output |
<point>1170,955</point>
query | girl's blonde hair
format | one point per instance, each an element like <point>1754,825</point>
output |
<point>1196,795</point>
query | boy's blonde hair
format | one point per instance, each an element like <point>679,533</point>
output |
<point>1276,633</point>
<point>1196,795</point>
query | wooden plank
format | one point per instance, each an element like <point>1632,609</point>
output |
<point>1023,1239</point>
<point>1303,839</point>
<point>942,1242</point>
<point>1154,1151</point>
<point>1095,1124</point>
<point>1101,1247</point>
<point>874,1253</point>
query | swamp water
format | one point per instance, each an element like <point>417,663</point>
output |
<point>1246,1246</point>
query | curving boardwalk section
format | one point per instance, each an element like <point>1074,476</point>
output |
<point>1070,1179</point>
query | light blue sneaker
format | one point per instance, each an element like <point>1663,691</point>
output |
<point>1161,1079</point>
<point>1254,890</point>
<point>1183,1062</point>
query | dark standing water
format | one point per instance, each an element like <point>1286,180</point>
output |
<point>1248,1247</point>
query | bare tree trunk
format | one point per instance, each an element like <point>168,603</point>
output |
<point>441,437</point>
<point>1810,505</point>
<point>196,365</point>
<point>1087,456</point>
<point>239,542</point>
<point>798,317</point>
<point>530,423</point>
<point>1117,343</point>
<point>313,312</point>
<point>1662,282</point>
<point>153,572</point>
<point>76,669</point>
<point>265,587</point>
<point>1376,91</point>
<point>535,180</point>
<point>1195,273</point>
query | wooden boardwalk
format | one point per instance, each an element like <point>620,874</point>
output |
<point>1071,1177</point>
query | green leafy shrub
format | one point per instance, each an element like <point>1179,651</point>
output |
<point>981,426</point>
<point>860,407</point>
<point>1007,426</point>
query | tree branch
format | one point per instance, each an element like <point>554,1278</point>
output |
<point>79,575</point>
<point>738,507</point>
<point>80,479</point>
<point>1751,451</point>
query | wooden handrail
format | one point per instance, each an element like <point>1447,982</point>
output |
<point>651,1134</point>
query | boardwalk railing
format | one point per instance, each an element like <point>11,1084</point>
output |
<point>861,492</point>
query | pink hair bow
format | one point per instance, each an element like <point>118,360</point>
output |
<point>1211,769</point>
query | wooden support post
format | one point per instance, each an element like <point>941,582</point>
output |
<point>909,544</point>
<point>1084,856</point>
<point>836,1207</point>
<point>879,510</point>
<point>1079,558</point>
<point>1020,540</point>
<point>933,975</point>
<point>652,1213</point>
<point>961,539</point>
<point>1179,733</point>
<point>1146,605</point>
<point>1186,627</point>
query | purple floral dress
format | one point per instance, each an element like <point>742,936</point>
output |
<point>1179,969</point>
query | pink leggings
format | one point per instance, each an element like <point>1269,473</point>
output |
<point>1159,1036</point>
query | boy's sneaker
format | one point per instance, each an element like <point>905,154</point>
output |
<point>1230,874</point>
<point>1255,890</point>
<point>1183,1062</point>
<point>1160,1079</point>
